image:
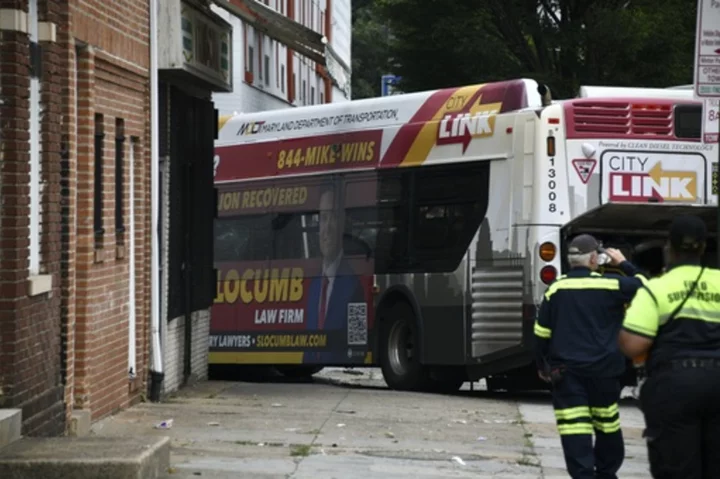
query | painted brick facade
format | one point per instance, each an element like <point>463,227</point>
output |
<point>173,331</point>
<point>64,329</point>
<point>174,350</point>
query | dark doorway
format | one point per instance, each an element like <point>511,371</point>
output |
<point>191,132</point>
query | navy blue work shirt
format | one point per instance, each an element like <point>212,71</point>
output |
<point>579,321</point>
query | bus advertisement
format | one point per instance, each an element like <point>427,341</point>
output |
<point>419,232</point>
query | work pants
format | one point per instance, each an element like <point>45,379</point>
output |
<point>682,420</point>
<point>584,405</point>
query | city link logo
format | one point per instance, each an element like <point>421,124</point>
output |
<point>656,183</point>
<point>477,121</point>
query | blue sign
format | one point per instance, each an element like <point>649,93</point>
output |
<point>388,85</point>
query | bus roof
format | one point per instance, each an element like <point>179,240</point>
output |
<point>674,93</point>
<point>414,128</point>
<point>369,112</point>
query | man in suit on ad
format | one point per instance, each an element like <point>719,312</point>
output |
<point>337,286</point>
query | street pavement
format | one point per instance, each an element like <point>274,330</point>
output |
<point>348,425</point>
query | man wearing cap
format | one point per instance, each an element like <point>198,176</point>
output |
<point>577,352</point>
<point>675,319</point>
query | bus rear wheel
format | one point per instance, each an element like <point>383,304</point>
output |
<point>400,361</point>
<point>298,372</point>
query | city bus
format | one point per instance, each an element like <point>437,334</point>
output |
<point>418,232</point>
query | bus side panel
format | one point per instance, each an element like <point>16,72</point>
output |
<point>497,267</point>
<point>294,274</point>
<point>424,246</point>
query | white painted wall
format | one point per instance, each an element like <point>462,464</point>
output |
<point>174,350</point>
<point>35,185</point>
<point>269,90</point>
<point>266,93</point>
<point>342,30</point>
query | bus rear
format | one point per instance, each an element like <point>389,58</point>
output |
<point>619,168</point>
<point>634,163</point>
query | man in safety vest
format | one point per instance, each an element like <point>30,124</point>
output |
<point>577,352</point>
<point>676,319</point>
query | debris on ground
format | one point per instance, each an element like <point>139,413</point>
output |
<point>167,424</point>
<point>458,460</point>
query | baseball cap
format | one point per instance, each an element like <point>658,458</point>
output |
<point>583,244</point>
<point>687,233</point>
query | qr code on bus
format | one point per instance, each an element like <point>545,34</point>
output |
<point>357,326</point>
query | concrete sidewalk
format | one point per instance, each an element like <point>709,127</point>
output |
<point>360,430</point>
<point>538,421</point>
<point>224,430</point>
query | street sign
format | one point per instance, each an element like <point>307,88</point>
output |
<point>584,168</point>
<point>707,49</point>
<point>388,85</point>
<point>710,124</point>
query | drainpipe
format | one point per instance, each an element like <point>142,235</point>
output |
<point>156,368</point>
<point>132,318</point>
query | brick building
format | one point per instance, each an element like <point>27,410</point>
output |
<point>75,210</point>
<point>76,182</point>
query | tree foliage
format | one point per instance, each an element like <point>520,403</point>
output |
<point>371,52</point>
<point>563,43</point>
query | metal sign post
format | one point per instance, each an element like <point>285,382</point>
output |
<point>707,73</point>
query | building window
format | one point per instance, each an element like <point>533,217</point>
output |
<point>260,65</point>
<point>312,95</point>
<point>98,180</point>
<point>251,59</point>
<point>267,69</point>
<point>304,91</point>
<point>119,178</point>
<point>322,98</point>
<point>282,78</point>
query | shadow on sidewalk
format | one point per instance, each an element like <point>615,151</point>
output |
<point>268,374</point>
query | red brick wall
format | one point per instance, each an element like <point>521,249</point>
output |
<point>30,354</point>
<point>113,80</point>
<point>86,310</point>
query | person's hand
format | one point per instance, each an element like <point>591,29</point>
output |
<point>615,255</point>
<point>543,376</point>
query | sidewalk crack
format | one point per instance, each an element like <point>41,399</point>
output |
<point>299,460</point>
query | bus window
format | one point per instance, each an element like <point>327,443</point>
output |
<point>288,236</point>
<point>688,121</point>
<point>449,204</point>
<point>245,238</point>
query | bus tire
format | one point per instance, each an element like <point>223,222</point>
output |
<point>400,362</point>
<point>298,372</point>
